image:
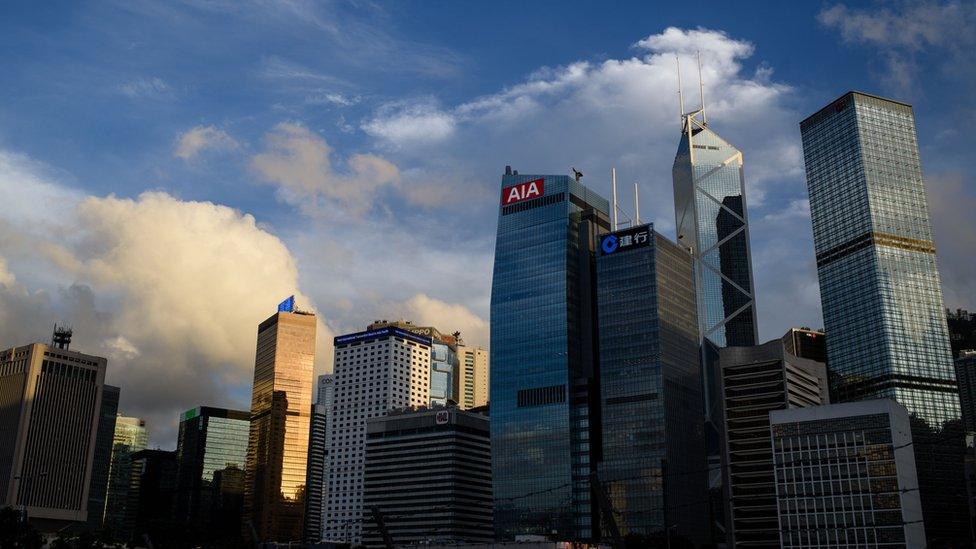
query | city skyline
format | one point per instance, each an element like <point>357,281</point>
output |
<point>229,178</point>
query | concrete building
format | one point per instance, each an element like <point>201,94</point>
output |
<point>210,439</point>
<point>845,476</point>
<point>318,451</point>
<point>880,285</point>
<point>102,462</point>
<point>131,435</point>
<point>50,404</point>
<point>543,355</point>
<point>429,473</point>
<point>755,381</point>
<point>281,404</point>
<point>375,371</point>
<point>653,449</point>
<point>474,376</point>
<point>445,370</point>
<point>962,331</point>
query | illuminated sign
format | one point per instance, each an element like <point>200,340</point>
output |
<point>287,306</point>
<point>382,332</point>
<point>523,191</point>
<point>442,417</point>
<point>626,239</point>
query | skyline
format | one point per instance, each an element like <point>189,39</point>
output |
<point>247,192</point>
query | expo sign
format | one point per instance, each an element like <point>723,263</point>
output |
<point>523,191</point>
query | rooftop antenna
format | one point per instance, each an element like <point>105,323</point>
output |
<point>613,179</point>
<point>701,89</point>
<point>681,100</point>
<point>577,174</point>
<point>636,206</point>
<point>61,338</point>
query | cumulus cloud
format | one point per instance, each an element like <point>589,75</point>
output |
<point>196,140</point>
<point>952,199</point>
<point>410,122</point>
<point>424,310</point>
<point>298,162</point>
<point>904,30</point>
<point>171,291</point>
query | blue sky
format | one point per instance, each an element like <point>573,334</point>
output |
<point>171,170</point>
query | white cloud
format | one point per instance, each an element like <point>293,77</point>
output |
<point>194,141</point>
<point>332,98</point>
<point>410,122</point>
<point>149,88</point>
<point>299,163</point>
<point>170,290</point>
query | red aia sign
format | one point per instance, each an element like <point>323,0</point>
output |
<point>523,191</point>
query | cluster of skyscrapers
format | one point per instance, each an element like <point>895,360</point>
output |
<point>630,399</point>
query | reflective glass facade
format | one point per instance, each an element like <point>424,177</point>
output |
<point>650,387</point>
<point>210,440</point>
<point>443,374</point>
<point>542,358</point>
<point>281,407</point>
<point>879,282</point>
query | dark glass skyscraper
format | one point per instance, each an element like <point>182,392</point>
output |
<point>542,355</point>
<point>653,450</point>
<point>103,456</point>
<point>880,287</point>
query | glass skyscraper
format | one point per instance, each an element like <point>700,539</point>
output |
<point>712,222</point>
<point>543,355</point>
<point>651,403</point>
<point>880,287</point>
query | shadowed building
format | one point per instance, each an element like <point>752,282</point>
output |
<point>281,403</point>
<point>130,436</point>
<point>102,462</point>
<point>50,403</point>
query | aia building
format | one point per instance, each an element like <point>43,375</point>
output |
<point>543,356</point>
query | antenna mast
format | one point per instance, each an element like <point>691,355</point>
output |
<point>613,179</point>
<point>701,89</point>
<point>681,100</point>
<point>636,206</point>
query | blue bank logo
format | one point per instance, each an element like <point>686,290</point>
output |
<point>609,243</point>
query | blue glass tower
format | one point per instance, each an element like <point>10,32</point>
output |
<point>543,355</point>
<point>712,223</point>
<point>880,287</point>
<point>650,404</point>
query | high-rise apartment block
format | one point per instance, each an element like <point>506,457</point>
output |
<point>51,399</point>
<point>210,440</point>
<point>318,451</point>
<point>473,379</point>
<point>755,381</point>
<point>653,454</point>
<point>102,461</point>
<point>428,472</point>
<point>444,364</point>
<point>375,371</point>
<point>281,404</point>
<point>131,435</point>
<point>880,286</point>
<point>543,355</point>
<point>845,476</point>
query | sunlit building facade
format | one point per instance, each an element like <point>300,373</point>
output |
<point>543,355</point>
<point>131,435</point>
<point>281,403</point>
<point>880,286</point>
<point>473,379</point>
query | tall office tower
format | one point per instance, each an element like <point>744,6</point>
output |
<point>101,463</point>
<point>712,222</point>
<point>880,286</point>
<point>210,440</point>
<point>429,473</point>
<point>753,382</point>
<point>375,371</point>
<point>149,505</point>
<point>962,330</point>
<point>473,379</point>
<point>650,385</point>
<point>966,377</point>
<point>806,343</point>
<point>131,435</point>
<point>281,404</point>
<point>543,356</point>
<point>845,476</point>
<point>50,399</point>
<point>318,450</point>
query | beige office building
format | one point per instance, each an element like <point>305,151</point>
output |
<point>474,376</point>
<point>281,403</point>
<point>50,399</point>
